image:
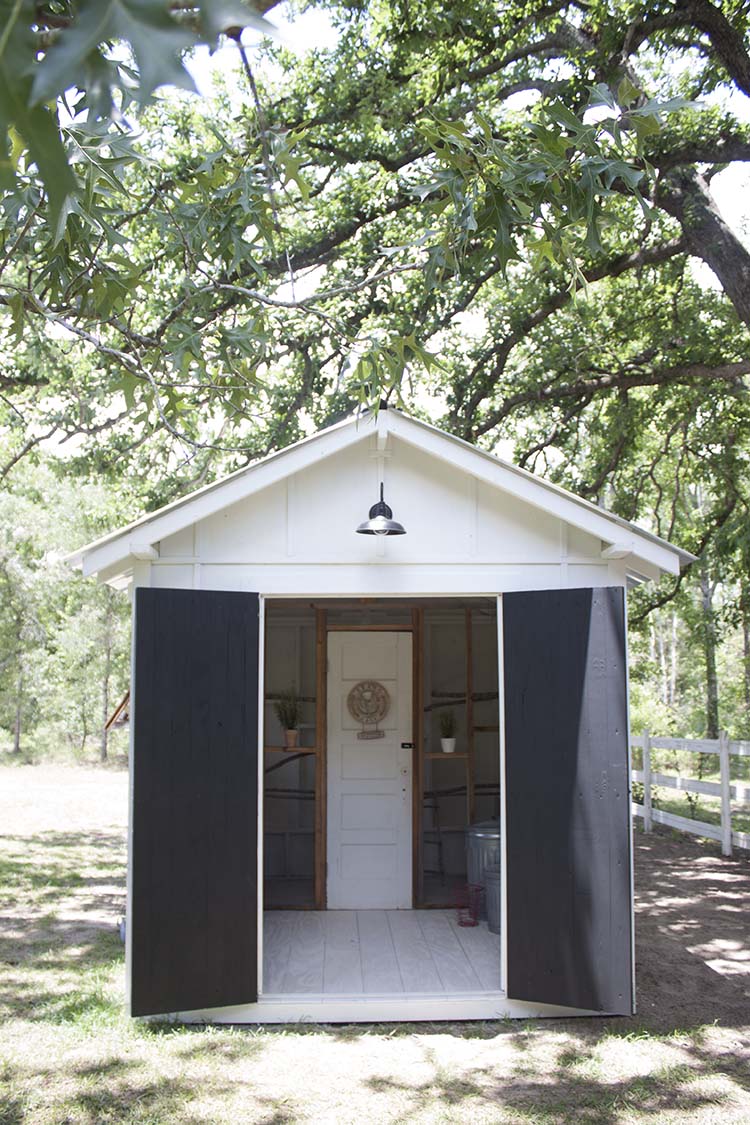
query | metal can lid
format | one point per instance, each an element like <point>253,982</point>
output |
<point>485,829</point>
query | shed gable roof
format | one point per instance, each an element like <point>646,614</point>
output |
<point>111,555</point>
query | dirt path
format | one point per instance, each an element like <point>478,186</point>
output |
<point>692,932</point>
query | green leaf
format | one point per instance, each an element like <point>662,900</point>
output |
<point>559,112</point>
<point>16,304</point>
<point>627,93</point>
<point>220,16</point>
<point>39,129</point>
<point>156,38</point>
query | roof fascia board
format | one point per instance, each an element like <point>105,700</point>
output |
<point>532,490</point>
<point>153,528</point>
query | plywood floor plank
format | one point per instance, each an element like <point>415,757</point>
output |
<point>418,970</point>
<point>452,963</point>
<point>377,952</point>
<point>380,971</point>
<point>278,927</point>
<point>342,964</point>
<point>304,971</point>
<point>483,951</point>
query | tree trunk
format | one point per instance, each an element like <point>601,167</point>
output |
<point>709,649</point>
<point>18,716</point>
<point>673,663</point>
<point>107,640</point>
<point>661,648</point>
<point>745,610</point>
<point>686,195</point>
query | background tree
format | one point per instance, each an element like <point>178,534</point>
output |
<point>490,215</point>
<point>64,641</point>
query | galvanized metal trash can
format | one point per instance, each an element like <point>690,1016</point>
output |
<point>492,896</point>
<point>482,849</point>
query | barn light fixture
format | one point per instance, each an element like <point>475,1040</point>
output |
<point>381,521</point>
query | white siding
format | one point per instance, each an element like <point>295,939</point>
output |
<point>179,545</point>
<point>298,536</point>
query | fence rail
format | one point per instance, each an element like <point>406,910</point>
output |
<point>725,789</point>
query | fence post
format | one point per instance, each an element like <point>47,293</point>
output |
<point>726,795</point>
<point>647,819</point>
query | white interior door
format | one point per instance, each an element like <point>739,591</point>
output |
<point>369,779</point>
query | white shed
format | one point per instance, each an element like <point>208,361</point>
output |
<point>325,874</point>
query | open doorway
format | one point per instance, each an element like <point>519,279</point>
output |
<point>367,817</point>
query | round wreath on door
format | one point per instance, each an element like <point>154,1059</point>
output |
<point>369,703</point>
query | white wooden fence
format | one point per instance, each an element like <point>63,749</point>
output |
<point>725,789</point>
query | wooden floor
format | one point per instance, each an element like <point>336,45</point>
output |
<point>376,952</point>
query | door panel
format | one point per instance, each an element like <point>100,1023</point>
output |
<point>194,817</point>
<point>369,781</point>
<point>567,800</point>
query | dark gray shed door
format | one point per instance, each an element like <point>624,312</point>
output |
<point>568,836</point>
<point>195,801</point>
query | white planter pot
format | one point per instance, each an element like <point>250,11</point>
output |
<point>448,745</point>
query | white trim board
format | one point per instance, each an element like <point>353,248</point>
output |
<point>395,1008</point>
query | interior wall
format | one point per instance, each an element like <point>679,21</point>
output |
<point>455,794</point>
<point>289,777</point>
<point>462,787</point>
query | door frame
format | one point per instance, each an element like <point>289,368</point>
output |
<point>320,836</point>
<point>416,628</point>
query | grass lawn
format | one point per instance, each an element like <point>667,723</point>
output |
<point>69,1055</point>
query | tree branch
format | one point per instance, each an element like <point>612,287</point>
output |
<point>709,20</point>
<point>683,374</point>
<point>613,267</point>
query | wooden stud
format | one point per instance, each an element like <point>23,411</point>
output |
<point>417,622</point>
<point>290,749</point>
<point>321,763</point>
<point>470,792</point>
<point>370,628</point>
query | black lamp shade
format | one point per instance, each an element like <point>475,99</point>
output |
<point>381,521</point>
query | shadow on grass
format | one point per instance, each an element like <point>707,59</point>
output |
<point>63,894</point>
<point>99,1095</point>
<point>562,1098</point>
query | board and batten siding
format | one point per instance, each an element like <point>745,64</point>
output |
<point>297,537</point>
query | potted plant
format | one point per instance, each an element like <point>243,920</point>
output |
<point>447,732</point>
<point>288,708</point>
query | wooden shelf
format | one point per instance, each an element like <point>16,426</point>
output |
<point>442,754</point>
<point>290,749</point>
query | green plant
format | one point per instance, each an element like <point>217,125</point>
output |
<point>447,724</point>
<point>288,708</point>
